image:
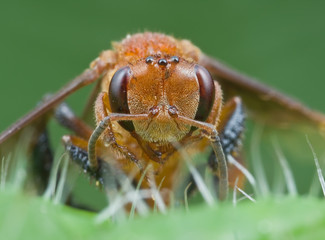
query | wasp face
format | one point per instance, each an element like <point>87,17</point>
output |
<point>164,88</point>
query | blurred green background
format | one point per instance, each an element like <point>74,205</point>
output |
<point>46,43</point>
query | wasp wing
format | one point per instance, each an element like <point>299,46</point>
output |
<point>22,137</point>
<point>89,76</point>
<point>278,126</point>
<point>262,102</point>
<point>28,136</point>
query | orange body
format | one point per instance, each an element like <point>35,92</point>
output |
<point>153,88</point>
<point>157,97</point>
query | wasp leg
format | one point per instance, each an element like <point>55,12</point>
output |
<point>42,153</point>
<point>42,161</point>
<point>66,117</point>
<point>77,146</point>
<point>231,128</point>
<point>218,165</point>
<point>188,185</point>
<point>231,125</point>
<point>77,149</point>
<point>104,125</point>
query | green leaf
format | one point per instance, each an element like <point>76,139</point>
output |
<point>25,217</point>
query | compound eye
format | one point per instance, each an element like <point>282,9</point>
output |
<point>117,95</point>
<point>207,93</point>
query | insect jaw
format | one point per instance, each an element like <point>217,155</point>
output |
<point>162,125</point>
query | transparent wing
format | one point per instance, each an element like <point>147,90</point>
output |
<point>88,77</point>
<point>261,101</point>
<point>275,140</point>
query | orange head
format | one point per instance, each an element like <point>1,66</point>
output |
<point>164,87</point>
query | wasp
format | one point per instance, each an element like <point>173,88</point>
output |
<point>158,95</point>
